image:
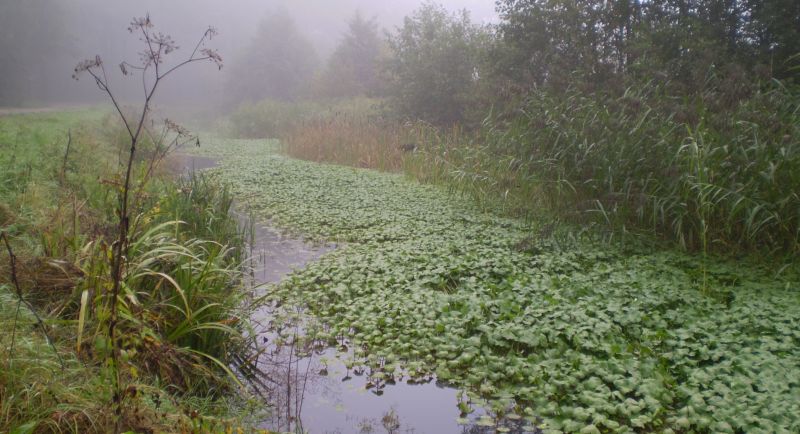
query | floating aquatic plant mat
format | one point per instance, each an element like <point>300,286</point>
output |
<point>568,333</point>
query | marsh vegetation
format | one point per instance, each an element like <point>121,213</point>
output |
<point>545,216</point>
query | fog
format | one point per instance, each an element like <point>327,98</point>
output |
<point>42,40</point>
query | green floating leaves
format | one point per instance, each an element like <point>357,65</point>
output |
<point>578,335</point>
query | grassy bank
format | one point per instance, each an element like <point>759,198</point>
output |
<point>181,319</point>
<point>536,321</point>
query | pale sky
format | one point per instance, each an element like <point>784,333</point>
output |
<point>99,27</point>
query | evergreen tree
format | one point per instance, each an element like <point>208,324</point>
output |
<point>353,68</point>
<point>278,64</point>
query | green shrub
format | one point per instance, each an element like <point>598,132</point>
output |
<point>268,118</point>
<point>186,265</point>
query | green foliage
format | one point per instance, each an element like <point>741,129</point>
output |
<point>559,43</point>
<point>204,207</point>
<point>188,271</point>
<point>269,118</point>
<point>31,187</point>
<point>775,24</point>
<point>36,395</point>
<point>32,385</point>
<point>182,315</point>
<point>702,171</point>
<point>716,171</point>
<point>433,67</point>
<point>272,119</point>
<point>541,321</point>
<point>546,41</point>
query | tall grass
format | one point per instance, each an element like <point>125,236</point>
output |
<point>187,266</point>
<point>275,119</point>
<point>181,322</point>
<point>718,170</point>
<point>356,140</point>
<point>34,389</point>
<point>181,316</point>
<point>38,396</point>
<point>703,171</point>
<point>32,149</point>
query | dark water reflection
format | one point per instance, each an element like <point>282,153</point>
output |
<point>312,390</point>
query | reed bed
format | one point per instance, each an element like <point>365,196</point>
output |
<point>719,170</point>
<point>357,141</point>
<point>704,171</point>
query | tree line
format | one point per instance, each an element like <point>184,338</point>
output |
<point>441,67</point>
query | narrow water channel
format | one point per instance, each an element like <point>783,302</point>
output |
<point>314,390</point>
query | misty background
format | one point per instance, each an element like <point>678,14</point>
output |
<point>42,40</point>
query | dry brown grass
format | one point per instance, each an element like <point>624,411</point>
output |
<point>369,142</point>
<point>352,141</point>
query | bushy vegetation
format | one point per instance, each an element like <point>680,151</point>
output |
<point>267,118</point>
<point>182,318</point>
<point>432,72</point>
<point>271,118</point>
